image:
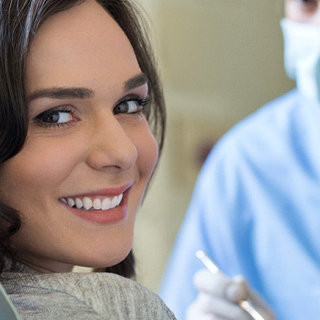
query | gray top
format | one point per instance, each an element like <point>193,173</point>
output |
<point>87,296</point>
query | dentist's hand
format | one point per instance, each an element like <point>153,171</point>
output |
<point>219,296</point>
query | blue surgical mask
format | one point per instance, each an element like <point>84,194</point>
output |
<point>302,56</point>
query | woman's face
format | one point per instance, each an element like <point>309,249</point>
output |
<point>305,11</point>
<point>89,153</point>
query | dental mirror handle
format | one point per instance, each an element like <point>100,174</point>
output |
<point>211,266</point>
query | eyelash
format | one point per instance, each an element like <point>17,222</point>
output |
<point>39,119</point>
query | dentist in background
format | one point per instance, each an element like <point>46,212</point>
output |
<point>256,204</point>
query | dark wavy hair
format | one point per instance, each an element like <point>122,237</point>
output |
<point>19,22</point>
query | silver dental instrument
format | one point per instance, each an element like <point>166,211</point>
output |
<point>211,266</point>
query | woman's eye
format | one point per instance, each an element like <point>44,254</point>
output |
<point>131,106</point>
<point>55,117</point>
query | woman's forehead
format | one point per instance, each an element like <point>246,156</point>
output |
<point>80,45</point>
<point>80,25</point>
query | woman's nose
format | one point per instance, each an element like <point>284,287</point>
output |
<point>111,146</point>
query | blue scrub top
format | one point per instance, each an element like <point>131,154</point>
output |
<point>256,210</point>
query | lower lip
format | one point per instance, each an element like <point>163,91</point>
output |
<point>104,217</point>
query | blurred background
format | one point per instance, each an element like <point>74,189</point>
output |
<point>220,60</point>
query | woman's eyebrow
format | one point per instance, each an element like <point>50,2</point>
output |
<point>62,93</point>
<point>83,93</point>
<point>135,82</point>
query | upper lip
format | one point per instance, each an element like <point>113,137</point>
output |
<point>107,192</point>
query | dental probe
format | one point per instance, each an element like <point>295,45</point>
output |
<point>211,266</point>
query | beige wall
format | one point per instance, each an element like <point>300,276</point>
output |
<point>220,60</point>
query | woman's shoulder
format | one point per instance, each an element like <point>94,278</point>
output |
<point>83,296</point>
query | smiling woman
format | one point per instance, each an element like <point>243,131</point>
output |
<point>82,122</point>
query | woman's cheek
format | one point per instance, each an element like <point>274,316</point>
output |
<point>148,153</point>
<point>55,157</point>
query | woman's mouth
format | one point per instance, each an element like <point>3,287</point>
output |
<point>93,203</point>
<point>101,207</point>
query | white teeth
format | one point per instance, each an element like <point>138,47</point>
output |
<point>71,202</point>
<point>114,202</point>
<point>94,204</point>
<point>87,203</point>
<point>106,204</point>
<point>78,203</point>
<point>97,203</point>
<point>119,198</point>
